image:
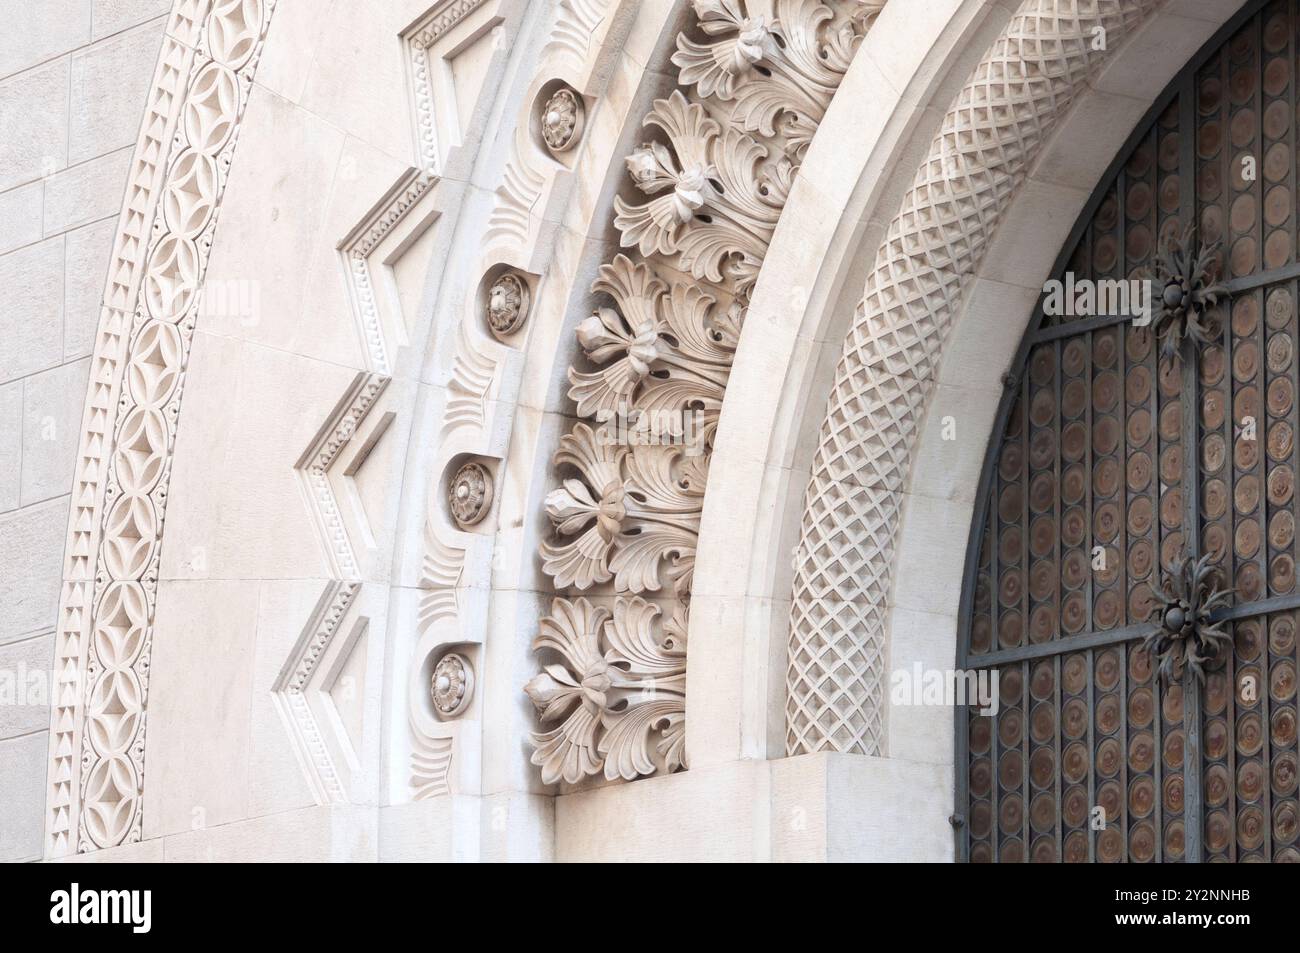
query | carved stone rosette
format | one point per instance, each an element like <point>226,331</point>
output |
<point>507,304</point>
<point>714,174</point>
<point>470,494</point>
<point>562,120</point>
<point>452,685</point>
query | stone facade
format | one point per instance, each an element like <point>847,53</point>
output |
<point>505,429</point>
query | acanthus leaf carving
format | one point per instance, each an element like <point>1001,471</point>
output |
<point>709,202</point>
<point>661,349</point>
<point>779,74</point>
<point>630,510</point>
<point>658,348</point>
<point>618,691</point>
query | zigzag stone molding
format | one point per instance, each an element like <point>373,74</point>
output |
<point>291,687</point>
<point>103,646</point>
<point>315,464</point>
<point>987,143</point>
<point>755,78</point>
<point>419,39</point>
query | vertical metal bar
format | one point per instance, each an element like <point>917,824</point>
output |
<point>1191,496</point>
<point>1024,770</point>
<point>1228,383</point>
<point>1092,760</point>
<point>1192,808</point>
<point>1122,495</point>
<point>1155,530</point>
<point>1060,817</point>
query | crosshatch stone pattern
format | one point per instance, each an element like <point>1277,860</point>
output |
<point>931,252</point>
<point>1091,471</point>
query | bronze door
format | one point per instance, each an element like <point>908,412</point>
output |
<point>1139,506</point>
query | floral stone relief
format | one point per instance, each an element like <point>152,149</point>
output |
<point>714,173</point>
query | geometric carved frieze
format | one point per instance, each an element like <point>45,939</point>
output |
<point>104,643</point>
<point>390,230</point>
<point>451,52</point>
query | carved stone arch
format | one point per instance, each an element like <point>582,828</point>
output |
<point>466,587</point>
<point>751,497</point>
<point>857,169</point>
<point>462,406</point>
<point>927,487</point>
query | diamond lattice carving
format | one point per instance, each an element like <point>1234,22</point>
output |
<point>932,249</point>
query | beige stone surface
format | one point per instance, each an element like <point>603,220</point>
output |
<point>31,550</point>
<point>31,324</point>
<point>109,81</point>
<point>22,781</point>
<point>85,266</point>
<point>34,115</point>
<point>52,403</point>
<point>85,192</point>
<point>200,686</point>
<point>20,211</point>
<point>38,30</point>
<point>11,444</point>
<point>26,678</point>
<point>112,16</point>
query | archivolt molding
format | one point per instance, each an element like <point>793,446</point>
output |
<point>174,189</point>
<point>475,419</point>
<point>419,39</point>
<point>988,141</point>
<point>713,176</point>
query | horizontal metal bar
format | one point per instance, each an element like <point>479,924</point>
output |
<point>1074,328</point>
<point>1236,286</point>
<point>1095,640</point>
<point>1262,279</point>
<point>1073,643</point>
<point>1259,607</point>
